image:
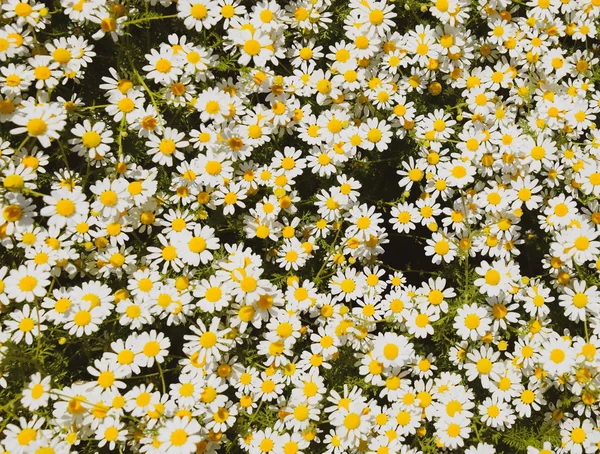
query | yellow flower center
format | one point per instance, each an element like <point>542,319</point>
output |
<point>492,277</point>
<point>582,243</point>
<point>453,430</point>
<point>179,436</point>
<point>198,11</point>
<point>422,320</point>
<point>352,421</point>
<point>252,47</point>
<point>27,435</point>
<point>65,207</point>
<point>348,286</point>
<point>163,65</point>
<point>578,435</point>
<point>557,355</point>
<point>390,351</point>
<point>208,339</point>
<point>527,396</point>
<point>61,55</point>
<point>580,300</point>
<point>472,321</point>
<point>125,105</point>
<point>442,247</point>
<point>484,366</point>
<point>91,139</point>
<point>169,253</point>
<point>27,283</point>
<point>108,198</point>
<point>561,209</point>
<point>41,73</point>
<point>166,146</point>
<point>36,127</point>
<point>26,325</point>
<point>82,318</point>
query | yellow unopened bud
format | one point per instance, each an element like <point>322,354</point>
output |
<point>310,435</point>
<point>435,88</point>
<point>563,278</point>
<point>120,295</point>
<point>487,338</point>
<point>101,242</point>
<point>182,283</point>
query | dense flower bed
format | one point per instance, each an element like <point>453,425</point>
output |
<point>299,227</point>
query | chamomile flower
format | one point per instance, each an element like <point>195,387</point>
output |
<point>256,46</point>
<point>195,246</point>
<point>91,140</point>
<point>111,197</point>
<point>198,14</point>
<point>453,431</point>
<point>482,364</point>
<point>164,149</point>
<point>404,217</point>
<point>163,66</point>
<point>43,122</point>
<point>347,285</point>
<point>65,207</point>
<point>37,393</point>
<point>180,434</point>
<point>153,347</point>
<point>26,283</point>
<point>230,196</point>
<point>45,72</point>
<point>393,350</point>
<point>209,342</point>
<point>472,322</point>
<point>418,321</point>
<point>441,248</point>
<point>25,324</point>
<point>579,300</point>
<point>496,277</point>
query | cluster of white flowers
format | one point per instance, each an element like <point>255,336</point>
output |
<point>206,229</point>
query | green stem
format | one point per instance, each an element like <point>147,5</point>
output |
<point>120,139</point>
<point>162,378</point>
<point>27,191</point>
<point>22,144</point>
<point>147,19</point>
<point>38,345</point>
<point>64,156</point>
<point>152,98</point>
<point>97,106</point>
<point>331,247</point>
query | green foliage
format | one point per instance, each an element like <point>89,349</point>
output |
<point>521,436</point>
